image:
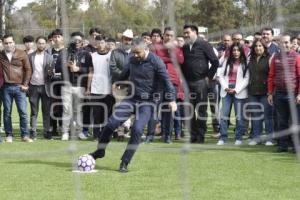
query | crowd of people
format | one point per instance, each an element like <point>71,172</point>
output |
<point>106,88</point>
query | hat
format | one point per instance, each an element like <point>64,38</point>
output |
<point>128,33</point>
<point>249,38</point>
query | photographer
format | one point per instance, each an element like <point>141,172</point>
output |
<point>77,70</point>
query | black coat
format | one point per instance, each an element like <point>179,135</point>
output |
<point>197,59</point>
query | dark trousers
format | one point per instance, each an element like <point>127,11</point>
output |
<point>86,115</point>
<point>198,98</point>
<point>121,113</point>
<point>37,93</point>
<point>56,112</point>
<point>214,100</point>
<point>0,108</point>
<point>154,119</point>
<point>102,110</point>
<point>283,112</point>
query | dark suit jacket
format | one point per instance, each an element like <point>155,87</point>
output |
<point>47,64</point>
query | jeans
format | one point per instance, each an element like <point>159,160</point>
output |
<point>227,101</point>
<point>260,102</point>
<point>167,120</point>
<point>154,119</point>
<point>214,100</point>
<point>13,92</point>
<point>1,108</point>
<point>177,122</point>
<point>121,113</point>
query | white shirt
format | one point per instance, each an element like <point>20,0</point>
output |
<point>9,55</point>
<point>101,81</point>
<point>37,77</point>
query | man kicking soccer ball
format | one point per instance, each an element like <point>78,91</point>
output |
<point>144,71</point>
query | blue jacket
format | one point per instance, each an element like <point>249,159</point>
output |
<point>144,76</point>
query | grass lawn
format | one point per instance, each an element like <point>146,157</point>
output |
<point>43,170</point>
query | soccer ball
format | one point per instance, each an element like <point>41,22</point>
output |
<point>86,163</point>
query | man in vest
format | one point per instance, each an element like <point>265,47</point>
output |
<point>284,91</point>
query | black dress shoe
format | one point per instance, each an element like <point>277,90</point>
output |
<point>99,153</point>
<point>168,140</point>
<point>293,150</point>
<point>48,136</point>
<point>123,167</point>
<point>282,150</point>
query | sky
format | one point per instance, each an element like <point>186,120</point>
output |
<point>21,3</point>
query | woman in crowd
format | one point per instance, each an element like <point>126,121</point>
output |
<point>261,110</point>
<point>234,79</point>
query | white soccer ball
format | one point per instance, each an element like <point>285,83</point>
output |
<point>86,163</point>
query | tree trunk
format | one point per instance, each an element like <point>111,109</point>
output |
<point>2,17</point>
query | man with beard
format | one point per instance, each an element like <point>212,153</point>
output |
<point>142,68</point>
<point>39,87</point>
<point>117,61</point>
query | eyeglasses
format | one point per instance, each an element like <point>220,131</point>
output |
<point>127,39</point>
<point>77,41</point>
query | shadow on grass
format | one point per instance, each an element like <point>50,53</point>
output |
<point>210,145</point>
<point>66,165</point>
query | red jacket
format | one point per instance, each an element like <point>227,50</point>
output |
<point>165,54</point>
<point>281,80</point>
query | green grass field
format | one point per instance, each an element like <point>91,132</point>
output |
<point>43,171</point>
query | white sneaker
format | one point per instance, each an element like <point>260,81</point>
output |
<point>9,139</point>
<point>82,136</point>
<point>238,142</point>
<point>252,143</point>
<point>2,130</point>
<point>127,135</point>
<point>220,143</point>
<point>26,139</point>
<point>65,137</point>
<point>269,143</point>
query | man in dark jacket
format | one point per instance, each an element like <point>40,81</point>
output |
<point>56,79</point>
<point>77,69</point>
<point>142,69</point>
<point>117,61</point>
<point>197,55</point>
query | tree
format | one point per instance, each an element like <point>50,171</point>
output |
<point>219,15</point>
<point>292,17</point>
<point>5,8</point>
